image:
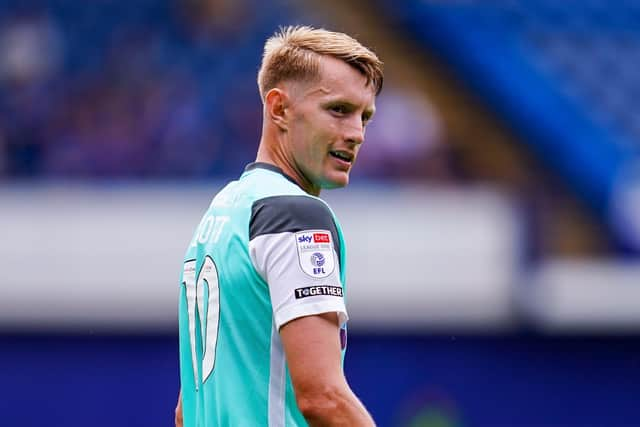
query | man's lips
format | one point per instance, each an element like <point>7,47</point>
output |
<point>344,156</point>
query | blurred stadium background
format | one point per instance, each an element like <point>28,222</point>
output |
<point>493,220</point>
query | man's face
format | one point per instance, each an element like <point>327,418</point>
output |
<point>327,123</point>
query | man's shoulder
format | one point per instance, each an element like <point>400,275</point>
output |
<point>290,213</point>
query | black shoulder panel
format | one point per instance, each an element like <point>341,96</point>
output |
<point>279,214</point>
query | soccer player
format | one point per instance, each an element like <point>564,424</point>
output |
<point>262,315</point>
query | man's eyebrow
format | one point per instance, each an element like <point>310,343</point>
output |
<point>339,101</point>
<point>346,102</point>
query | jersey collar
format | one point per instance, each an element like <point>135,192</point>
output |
<point>272,168</point>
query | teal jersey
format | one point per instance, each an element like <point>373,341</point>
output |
<point>264,253</point>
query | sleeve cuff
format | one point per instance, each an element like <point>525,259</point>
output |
<point>287,314</point>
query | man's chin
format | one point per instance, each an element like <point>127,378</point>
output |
<point>338,182</point>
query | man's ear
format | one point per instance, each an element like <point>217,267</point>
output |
<point>276,104</point>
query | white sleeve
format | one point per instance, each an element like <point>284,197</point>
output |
<point>302,271</point>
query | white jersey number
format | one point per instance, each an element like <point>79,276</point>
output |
<point>208,314</point>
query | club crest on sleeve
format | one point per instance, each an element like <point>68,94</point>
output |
<point>315,252</point>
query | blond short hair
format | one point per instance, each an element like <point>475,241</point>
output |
<point>293,53</point>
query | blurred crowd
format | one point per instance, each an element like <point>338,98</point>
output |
<point>164,89</point>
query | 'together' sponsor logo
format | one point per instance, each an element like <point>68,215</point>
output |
<point>312,291</point>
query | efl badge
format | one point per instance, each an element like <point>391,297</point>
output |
<point>315,252</point>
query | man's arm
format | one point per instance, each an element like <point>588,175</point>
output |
<point>312,348</point>
<point>178,415</point>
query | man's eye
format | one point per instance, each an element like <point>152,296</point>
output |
<point>341,109</point>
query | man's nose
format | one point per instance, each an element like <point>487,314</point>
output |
<point>355,132</point>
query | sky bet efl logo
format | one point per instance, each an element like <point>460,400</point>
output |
<point>316,237</point>
<point>318,260</point>
<point>315,252</point>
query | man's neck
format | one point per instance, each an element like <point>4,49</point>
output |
<point>270,152</point>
